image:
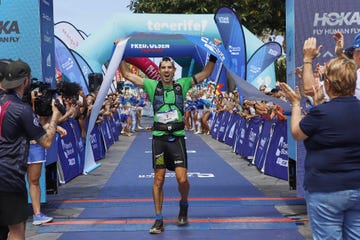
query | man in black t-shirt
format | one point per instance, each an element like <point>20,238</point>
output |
<point>4,230</point>
<point>18,125</point>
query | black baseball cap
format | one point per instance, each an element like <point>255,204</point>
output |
<point>15,74</point>
<point>3,66</point>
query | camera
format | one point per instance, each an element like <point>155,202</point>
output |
<point>43,99</point>
<point>44,95</point>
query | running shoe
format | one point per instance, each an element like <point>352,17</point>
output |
<point>158,227</point>
<point>183,215</point>
<point>41,218</point>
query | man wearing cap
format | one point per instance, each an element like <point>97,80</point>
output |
<point>18,125</point>
<point>4,230</point>
<point>3,66</point>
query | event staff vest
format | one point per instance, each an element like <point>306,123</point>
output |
<point>159,97</point>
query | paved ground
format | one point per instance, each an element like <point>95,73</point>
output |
<point>90,185</point>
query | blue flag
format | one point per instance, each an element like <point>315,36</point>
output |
<point>261,59</point>
<point>232,36</point>
<point>67,64</point>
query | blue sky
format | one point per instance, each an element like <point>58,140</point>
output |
<point>88,15</point>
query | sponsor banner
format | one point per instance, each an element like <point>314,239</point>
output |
<point>276,163</point>
<point>223,126</point>
<point>95,140</point>
<point>66,63</point>
<point>233,125</point>
<point>261,59</point>
<point>188,24</point>
<point>69,34</point>
<point>262,148</point>
<point>79,143</point>
<point>158,45</point>
<point>47,42</point>
<point>20,36</point>
<point>26,33</point>
<point>232,36</point>
<point>84,66</point>
<point>320,19</point>
<point>216,124</point>
<point>251,137</point>
<point>113,128</point>
<point>117,127</point>
<point>106,132</point>
<point>240,141</point>
<point>68,154</point>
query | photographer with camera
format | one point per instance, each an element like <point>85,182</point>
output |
<point>18,126</point>
<point>70,94</point>
<point>39,95</point>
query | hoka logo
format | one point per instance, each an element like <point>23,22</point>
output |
<point>8,27</point>
<point>337,19</point>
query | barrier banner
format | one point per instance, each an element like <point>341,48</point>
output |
<point>106,133</point>
<point>276,163</point>
<point>237,132</point>
<point>118,126</point>
<point>216,124</point>
<point>112,126</point>
<point>261,150</point>
<point>239,143</point>
<point>51,153</point>
<point>252,137</point>
<point>233,125</point>
<point>80,144</point>
<point>223,125</point>
<point>97,143</point>
<point>68,154</point>
<point>230,122</point>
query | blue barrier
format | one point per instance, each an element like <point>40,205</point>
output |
<point>263,141</point>
<point>71,148</point>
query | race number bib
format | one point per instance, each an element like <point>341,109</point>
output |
<point>168,116</point>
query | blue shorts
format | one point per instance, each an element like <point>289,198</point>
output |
<point>36,154</point>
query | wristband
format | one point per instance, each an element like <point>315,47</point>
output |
<point>194,79</point>
<point>212,58</point>
<point>308,62</point>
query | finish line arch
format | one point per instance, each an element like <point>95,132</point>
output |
<point>98,47</point>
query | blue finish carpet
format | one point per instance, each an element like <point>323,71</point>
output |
<point>222,204</point>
